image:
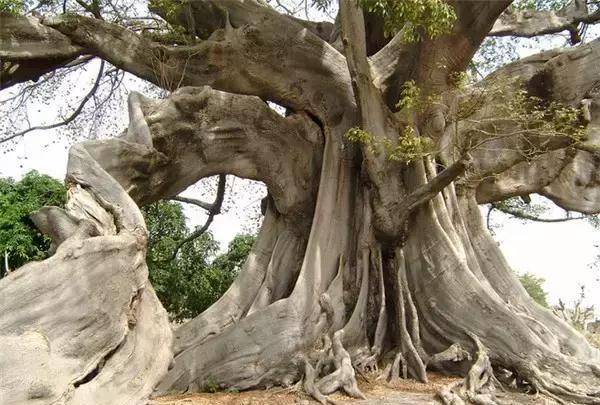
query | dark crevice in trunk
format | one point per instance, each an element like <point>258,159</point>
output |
<point>96,371</point>
<point>391,287</point>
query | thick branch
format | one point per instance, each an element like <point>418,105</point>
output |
<point>200,132</point>
<point>531,23</point>
<point>199,203</point>
<point>248,48</point>
<point>28,50</point>
<point>322,29</point>
<point>400,61</point>
<point>376,119</point>
<point>429,190</point>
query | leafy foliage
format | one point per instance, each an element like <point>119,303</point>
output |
<point>535,288</point>
<point>418,18</point>
<point>408,148</point>
<point>530,120</point>
<point>196,277</point>
<point>231,262</point>
<point>552,118</point>
<point>186,285</point>
<point>20,240</point>
<point>361,136</point>
<point>12,6</point>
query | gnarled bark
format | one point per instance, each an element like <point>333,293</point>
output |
<point>360,261</point>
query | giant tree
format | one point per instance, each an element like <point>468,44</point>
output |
<point>372,251</point>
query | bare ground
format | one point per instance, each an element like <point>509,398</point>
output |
<point>403,392</point>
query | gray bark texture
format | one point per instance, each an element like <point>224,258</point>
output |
<point>362,262</point>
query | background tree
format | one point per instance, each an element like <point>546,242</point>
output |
<point>20,240</point>
<point>535,288</point>
<point>231,262</point>
<point>577,314</point>
<point>196,276</point>
<point>372,250</point>
<point>185,283</point>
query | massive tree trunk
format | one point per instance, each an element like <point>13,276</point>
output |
<point>361,260</point>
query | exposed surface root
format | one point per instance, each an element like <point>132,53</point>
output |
<point>343,377</point>
<point>479,384</point>
<point>334,361</point>
<point>309,383</point>
<point>410,344</point>
<point>455,353</point>
<point>392,370</point>
<point>368,363</point>
<point>564,390</point>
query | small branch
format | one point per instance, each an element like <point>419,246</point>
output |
<point>71,117</point>
<point>79,61</point>
<point>202,204</point>
<point>214,209</point>
<point>488,217</point>
<point>523,215</point>
<point>93,8</point>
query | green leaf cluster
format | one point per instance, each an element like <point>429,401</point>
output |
<point>20,240</point>
<point>546,118</point>
<point>535,288</point>
<point>413,100</point>
<point>417,18</point>
<point>197,276</point>
<point>363,137</point>
<point>408,148</point>
<point>531,119</point>
<point>170,9</point>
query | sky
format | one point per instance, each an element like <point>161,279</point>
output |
<point>561,253</point>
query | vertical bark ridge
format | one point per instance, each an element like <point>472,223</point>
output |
<point>441,278</point>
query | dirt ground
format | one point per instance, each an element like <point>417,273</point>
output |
<point>403,392</point>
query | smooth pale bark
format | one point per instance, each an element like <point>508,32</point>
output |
<point>531,23</point>
<point>360,261</point>
<point>84,326</point>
